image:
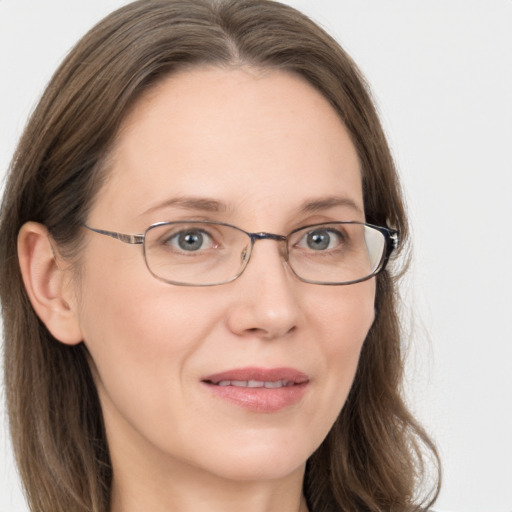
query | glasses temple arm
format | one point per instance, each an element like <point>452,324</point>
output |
<point>127,239</point>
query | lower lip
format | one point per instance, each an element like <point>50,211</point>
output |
<point>260,399</point>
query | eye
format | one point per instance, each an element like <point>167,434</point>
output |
<point>321,239</point>
<point>190,240</point>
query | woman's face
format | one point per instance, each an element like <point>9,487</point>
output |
<point>264,151</point>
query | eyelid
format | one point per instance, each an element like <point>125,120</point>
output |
<point>174,230</point>
<point>324,219</point>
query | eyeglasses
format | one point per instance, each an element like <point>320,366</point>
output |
<point>204,253</point>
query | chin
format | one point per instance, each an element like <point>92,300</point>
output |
<point>263,469</point>
<point>259,460</point>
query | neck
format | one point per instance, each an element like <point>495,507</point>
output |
<point>191,490</point>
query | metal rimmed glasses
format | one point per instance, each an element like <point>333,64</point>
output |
<point>207,253</point>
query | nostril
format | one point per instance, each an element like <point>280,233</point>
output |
<point>269,333</point>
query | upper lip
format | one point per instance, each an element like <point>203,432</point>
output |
<point>290,375</point>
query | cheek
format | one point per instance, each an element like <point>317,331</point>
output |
<point>126,309</point>
<point>353,321</point>
<point>141,345</point>
<point>342,315</point>
<point>129,331</point>
<point>342,323</point>
<point>139,332</point>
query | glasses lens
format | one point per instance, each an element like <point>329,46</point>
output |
<point>337,253</point>
<point>195,253</point>
<point>199,253</point>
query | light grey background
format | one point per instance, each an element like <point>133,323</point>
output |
<point>441,73</point>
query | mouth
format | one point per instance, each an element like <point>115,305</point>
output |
<point>270,384</point>
<point>259,389</point>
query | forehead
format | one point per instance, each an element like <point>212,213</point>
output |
<point>246,138</point>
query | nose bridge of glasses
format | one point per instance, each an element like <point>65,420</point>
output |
<point>267,236</point>
<point>283,251</point>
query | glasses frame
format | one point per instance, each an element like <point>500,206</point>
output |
<point>391,237</point>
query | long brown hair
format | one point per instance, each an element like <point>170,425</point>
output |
<point>374,456</point>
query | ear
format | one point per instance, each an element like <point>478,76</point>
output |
<point>48,285</point>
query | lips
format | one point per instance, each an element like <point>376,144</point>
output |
<point>259,389</point>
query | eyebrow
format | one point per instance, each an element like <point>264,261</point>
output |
<point>190,203</point>
<point>317,205</point>
<point>213,206</point>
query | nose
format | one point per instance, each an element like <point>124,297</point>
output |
<point>265,300</point>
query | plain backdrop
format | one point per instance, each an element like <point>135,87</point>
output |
<point>441,74</point>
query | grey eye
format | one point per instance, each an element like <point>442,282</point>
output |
<point>190,240</point>
<point>319,240</point>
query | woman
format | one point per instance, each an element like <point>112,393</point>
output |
<point>247,354</point>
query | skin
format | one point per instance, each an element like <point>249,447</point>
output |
<point>262,143</point>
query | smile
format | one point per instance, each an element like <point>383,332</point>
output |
<point>259,389</point>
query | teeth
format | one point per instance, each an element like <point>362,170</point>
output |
<point>255,383</point>
<point>276,384</point>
